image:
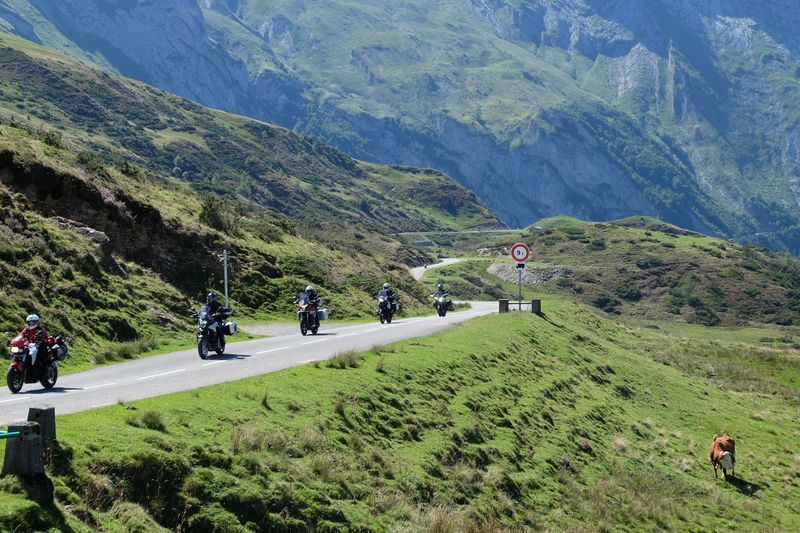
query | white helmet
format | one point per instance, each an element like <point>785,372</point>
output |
<point>309,289</point>
<point>385,285</point>
<point>32,321</point>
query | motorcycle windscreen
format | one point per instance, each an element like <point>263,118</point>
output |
<point>303,299</point>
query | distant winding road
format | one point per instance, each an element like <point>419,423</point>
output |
<point>418,272</point>
<point>184,370</point>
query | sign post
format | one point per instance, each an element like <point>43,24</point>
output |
<point>520,253</point>
<point>225,262</point>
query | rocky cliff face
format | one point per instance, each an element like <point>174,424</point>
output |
<point>685,109</point>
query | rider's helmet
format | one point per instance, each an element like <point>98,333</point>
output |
<point>309,288</point>
<point>211,298</point>
<point>440,285</point>
<point>386,286</point>
<point>32,321</point>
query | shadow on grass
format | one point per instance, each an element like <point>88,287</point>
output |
<point>744,486</point>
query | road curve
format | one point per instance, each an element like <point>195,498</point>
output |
<point>184,370</point>
<point>419,272</point>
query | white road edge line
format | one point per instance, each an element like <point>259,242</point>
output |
<point>15,399</point>
<point>98,386</point>
<point>274,350</point>
<point>163,374</point>
<point>348,335</point>
<point>313,342</point>
<point>371,330</point>
<point>214,363</point>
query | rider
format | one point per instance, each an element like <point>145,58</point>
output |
<point>313,298</point>
<point>35,334</point>
<point>215,308</point>
<point>439,290</point>
<point>386,292</point>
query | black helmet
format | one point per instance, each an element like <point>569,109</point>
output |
<point>211,298</point>
<point>440,285</point>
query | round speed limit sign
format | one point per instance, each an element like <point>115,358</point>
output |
<point>520,252</point>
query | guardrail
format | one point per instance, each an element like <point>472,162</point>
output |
<point>508,305</point>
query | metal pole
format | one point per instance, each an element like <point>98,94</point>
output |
<point>520,288</point>
<point>225,261</point>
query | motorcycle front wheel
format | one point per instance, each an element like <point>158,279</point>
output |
<point>202,348</point>
<point>15,380</point>
<point>389,318</point>
<point>220,349</point>
<point>303,327</point>
<point>48,381</point>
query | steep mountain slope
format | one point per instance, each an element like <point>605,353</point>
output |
<point>680,109</point>
<point>118,199</point>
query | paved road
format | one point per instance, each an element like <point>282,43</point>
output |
<point>180,371</point>
<point>418,272</point>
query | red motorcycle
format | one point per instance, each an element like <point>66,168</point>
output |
<point>45,371</point>
<point>309,313</point>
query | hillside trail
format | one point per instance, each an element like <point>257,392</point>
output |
<point>419,272</point>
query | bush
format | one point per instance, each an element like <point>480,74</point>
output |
<point>149,420</point>
<point>344,360</point>
<point>213,213</point>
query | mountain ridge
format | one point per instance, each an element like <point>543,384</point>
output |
<point>696,96</point>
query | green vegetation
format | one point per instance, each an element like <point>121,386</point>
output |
<point>508,421</point>
<point>638,266</point>
<point>117,200</point>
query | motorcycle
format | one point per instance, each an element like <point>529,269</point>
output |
<point>442,303</point>
<point>211,331</point>
<point>309,314</point>
<point>45,371</point>
<point>386,309</point>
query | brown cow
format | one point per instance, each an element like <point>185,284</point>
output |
<point>723,455</point>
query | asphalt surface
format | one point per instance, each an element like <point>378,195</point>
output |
<point>419,272</point>
<point>184,370</point>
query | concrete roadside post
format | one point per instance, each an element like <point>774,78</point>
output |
<point>24,454</point>
<point>45,416</point>
<point>503,306</point>
<point>536,307</point>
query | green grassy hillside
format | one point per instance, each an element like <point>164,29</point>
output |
<point>566,421</point>
<point>118,200</point>
<point>638,266</point>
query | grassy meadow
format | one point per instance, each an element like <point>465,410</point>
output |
<point>573,420</point>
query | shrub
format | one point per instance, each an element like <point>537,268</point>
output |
<point>347,359</point>
<point>149,420</point>
<point>213,213</point>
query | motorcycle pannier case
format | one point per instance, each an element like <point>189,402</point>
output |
<point>230,328</point>
<point>322,314</point>
<point>60,351</point>
<point>396,306</point>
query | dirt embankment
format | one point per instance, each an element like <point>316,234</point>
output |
<point>530,276</point>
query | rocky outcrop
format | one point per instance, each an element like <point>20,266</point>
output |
<point>530,276</point>
<point>119,223</point>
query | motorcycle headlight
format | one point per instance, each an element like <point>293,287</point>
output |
<point>16,349</point>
